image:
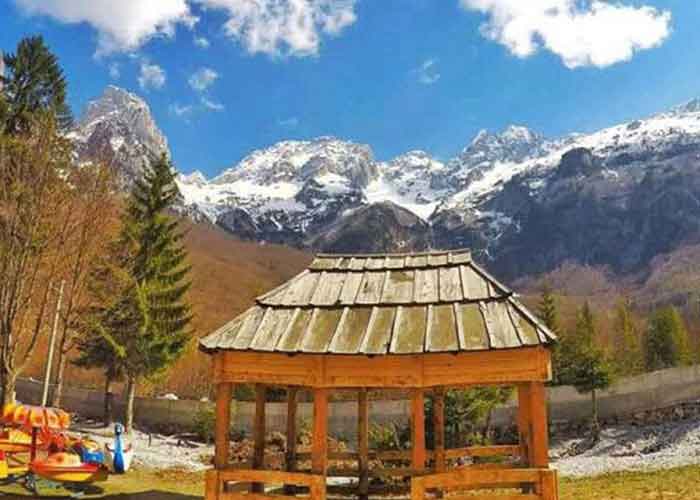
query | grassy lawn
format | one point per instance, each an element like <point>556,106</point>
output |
<point>682,483</point>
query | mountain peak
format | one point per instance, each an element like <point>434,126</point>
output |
<point>118,129</point>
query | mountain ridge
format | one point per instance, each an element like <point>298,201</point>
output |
<point>524,202</point>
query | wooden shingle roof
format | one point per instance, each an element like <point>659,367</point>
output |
<point>384,304</point>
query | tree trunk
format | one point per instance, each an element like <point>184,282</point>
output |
<point>9,386</point>
<point>130,394</point>
<point>595,426</point>
<point>60,372</point>
<point>107,416</point>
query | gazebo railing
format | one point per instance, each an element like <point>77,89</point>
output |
<point>222,484</point>
<point>531,484</point>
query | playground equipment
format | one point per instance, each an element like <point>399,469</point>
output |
<point>64,460</point>
<point>119,455</point>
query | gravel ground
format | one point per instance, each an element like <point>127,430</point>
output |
<point>622,447</point>
<point>155,451</point>
<point>628,447</point>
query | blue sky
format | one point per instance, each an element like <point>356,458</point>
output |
<point>396,74</point>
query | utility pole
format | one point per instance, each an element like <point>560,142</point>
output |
<point>52,341</point>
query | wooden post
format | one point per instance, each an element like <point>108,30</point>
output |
<point>417,430</point>
<point>439,428</point>
<point>363,443</point>
<point>523,421</point>
<point>291,455</point>
<point>319,445</point>
<point>259,433</point>
<point>224,392</point>
<point>538,426</point>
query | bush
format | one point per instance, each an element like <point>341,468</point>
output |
<point>204,423</point>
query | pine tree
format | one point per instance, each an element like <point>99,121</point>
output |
<point>33,83</point>
<point>628,358</point>
<point>145,319</point>
<point>666,342</point>
<point>548,314</point>
<point>585,365</point>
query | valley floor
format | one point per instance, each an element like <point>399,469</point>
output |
<point>173,484</point>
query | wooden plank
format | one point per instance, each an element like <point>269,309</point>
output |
<point>319,444</point>
<point>350,288</point>
<point>502,334</point>
<point>439,428</point>
<point>442,333</point>
<point>526,330</point>
<point>272,327</point>
<point>212,485</point>
<point>371,287</point>
<point>378,334</point>
<point>224,393</point>
<point>549,487</point>
<point>248,329</point>
<point>328,290</point>
<point>473,327</point>
<point>483,451</point>
<point>395,262</point>
<point>417,429</point>
<point>474,286</point>
<point>417,489</point>
<point>437,259</point>
<point>289,341</point>
<point>300,291</point>
<point>426,286</point>
<point>291,451</point>
<point>497,496</point>
<point>398,288</point>
<point>254,496</point>
<point>467,476</point>
<point>321,329</point>
<point>450,284</point>
<point>410,327</point>
<point>351,331</point>
<point>538,425</point>
<point>363,442</point>
<point>268,476</point>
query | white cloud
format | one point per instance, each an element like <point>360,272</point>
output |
<point>427,72</point>
<point>291,122</point>
<point>201,42</point>
<point>284,27</point>
<point>595,33</point>
<point>114,71</point>
<point>202,79</point>
<point>151,76</point>
<point>211,105</point>
<point>122,25</point>
<point>180,110</point>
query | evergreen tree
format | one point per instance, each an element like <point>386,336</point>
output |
<point>145,318</point>
<point>548,314</point>
<point>585,365</point>
<point>628,356</point>
<point>33,83</point>
<point>666,342</point>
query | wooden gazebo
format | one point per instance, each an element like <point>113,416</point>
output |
<point>421,322</point>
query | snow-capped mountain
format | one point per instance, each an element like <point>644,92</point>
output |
<point>616,197</point>
<point>119,130</point>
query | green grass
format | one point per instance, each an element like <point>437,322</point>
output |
<point>681,483</point>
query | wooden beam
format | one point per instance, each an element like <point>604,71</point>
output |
<point>493,367</point>
<point>538,425</point>
<point>417,429</point>
<point>291,455</point>
<point>224,393</point>
<point>523,422</point>
<point>319,444</point>
<point>259,433</point>
<point>363,442</point>
<point>439,428</point>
